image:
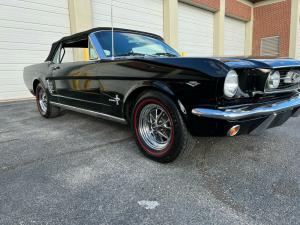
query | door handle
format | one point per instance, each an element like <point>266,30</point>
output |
<point>55,67</point>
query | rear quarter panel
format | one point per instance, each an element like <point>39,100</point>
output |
<point>35,72</point>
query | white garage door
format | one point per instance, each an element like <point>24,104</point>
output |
<point>27,30</point>
<point>234,37</point>
<point>142,15</point>
<point>195,30</point>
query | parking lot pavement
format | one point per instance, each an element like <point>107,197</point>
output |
<point>77,169</point>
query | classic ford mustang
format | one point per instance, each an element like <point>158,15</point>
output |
<point>134,77</point>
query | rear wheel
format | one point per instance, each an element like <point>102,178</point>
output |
<point>159,128</point>
<point>42,100</point>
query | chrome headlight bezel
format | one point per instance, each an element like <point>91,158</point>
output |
<point>273,81</point>
<point>231,84</point>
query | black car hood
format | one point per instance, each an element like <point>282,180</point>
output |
<point>210,66</point>
<point>266,63</point>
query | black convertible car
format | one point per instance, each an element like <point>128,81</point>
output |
<point>166,99</point>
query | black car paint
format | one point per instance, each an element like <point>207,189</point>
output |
<point>95,85</point>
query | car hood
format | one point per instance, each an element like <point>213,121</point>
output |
<point>266,63</point>
<point>219,67</point>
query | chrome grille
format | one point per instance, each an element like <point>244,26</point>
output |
<point>283,86</point>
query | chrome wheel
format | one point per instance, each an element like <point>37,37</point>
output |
<point>155,127</point>
<point>43,101</point>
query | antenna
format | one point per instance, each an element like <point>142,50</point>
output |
<point>112,31</point>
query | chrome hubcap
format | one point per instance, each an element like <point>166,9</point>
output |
<point>155,127</point>
<point>43,100</point>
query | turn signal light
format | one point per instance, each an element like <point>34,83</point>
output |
<point>233,130</point>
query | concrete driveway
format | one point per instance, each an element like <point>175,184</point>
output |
<point>77,169</point>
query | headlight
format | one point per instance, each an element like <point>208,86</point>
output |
<point>292,77</point>
<point>273,80</point>
<point>231,84</point>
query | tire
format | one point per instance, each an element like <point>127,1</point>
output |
<point>160,131</point>
<point>42,101</point>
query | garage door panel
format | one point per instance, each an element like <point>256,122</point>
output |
<point>12,75</point>
<point>12,87</point>
<point>144,15</point>
<point>195,30</point>
<point>12,67</point>
<point>133,6</point>
<point>12,94</point>
<point>27,30</point>
<point>29,36</point>
<point>23,56</point>
<point>129,24</point>
<point>153,4</point>
<point>33,16</point>
<point>56,3</point>
<point>234,37</point>
<point>23,46</point>
<point>34,6</point>
<point>32,26</point>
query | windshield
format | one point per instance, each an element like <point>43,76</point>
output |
<point>128,44</point>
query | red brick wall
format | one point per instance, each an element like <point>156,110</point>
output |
<point>272,20</point>
<point>238,9</point>
<point>212,4</point>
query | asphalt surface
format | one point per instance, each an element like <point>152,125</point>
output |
<point>77,169</point>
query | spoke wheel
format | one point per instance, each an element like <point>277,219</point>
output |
<point>42,100</point>
<point>159,129</point>
<point>155,127</point>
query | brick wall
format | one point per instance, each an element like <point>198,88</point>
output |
<point>272,20</point>
<point>211,4</point>
<point>238,9</point>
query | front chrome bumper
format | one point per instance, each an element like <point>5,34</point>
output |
<point>243,113</point>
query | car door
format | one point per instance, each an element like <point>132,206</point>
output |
<point>75,83</point>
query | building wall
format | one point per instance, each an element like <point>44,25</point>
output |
<point>238,9</point>
<point>272,20</point>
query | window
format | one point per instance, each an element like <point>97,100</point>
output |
<point>92,52</point>
<point>82,49</point>
<point>129,44</point>
<point>270,46</point>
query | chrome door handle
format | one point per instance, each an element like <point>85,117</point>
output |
<point>56,68</point>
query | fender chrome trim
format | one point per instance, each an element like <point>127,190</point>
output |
<point>90,112</point>
<point>241,113</point>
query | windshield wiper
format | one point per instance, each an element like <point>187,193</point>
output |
<point>165,54</point>
<point>130,54</point>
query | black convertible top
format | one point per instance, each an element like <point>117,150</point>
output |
<point>83,36</point>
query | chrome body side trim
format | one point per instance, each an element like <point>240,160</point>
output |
<point>241,113</point>
<point>82,100</point>
<point>90,112</point>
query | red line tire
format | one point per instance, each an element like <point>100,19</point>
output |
<point>162,139</point>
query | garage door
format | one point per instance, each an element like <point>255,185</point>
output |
<point>143,15</point>
<point>234,37</point>
<point>195,30</point>
<point>27,30</point>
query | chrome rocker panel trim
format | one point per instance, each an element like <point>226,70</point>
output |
<point>90,112</point>
<point>236,114</point>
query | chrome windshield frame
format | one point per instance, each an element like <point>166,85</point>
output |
<point>99,49</point>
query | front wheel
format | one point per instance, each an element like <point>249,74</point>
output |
<point>159,128</point>
<point>42,100</point>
